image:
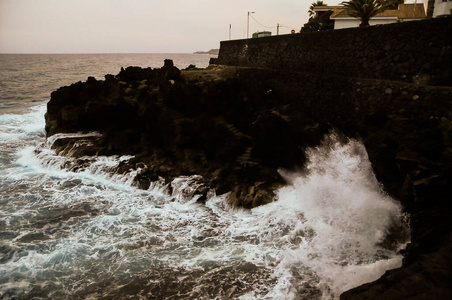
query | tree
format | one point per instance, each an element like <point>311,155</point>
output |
<point>318,21</point>
<point>393,4</point>
<point>311,11</point>
<point>364,10</point>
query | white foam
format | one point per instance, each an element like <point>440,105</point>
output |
<point>32,162</point>
<point>15,127</point>
<point>345,217</point>
<point>185,187</point>
<point>50,140</point>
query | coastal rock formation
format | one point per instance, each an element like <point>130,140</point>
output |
<point>236,127</point>
<point>177,126</point>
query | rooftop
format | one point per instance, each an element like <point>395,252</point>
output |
<point>404,11</point>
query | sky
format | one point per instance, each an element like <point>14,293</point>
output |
<point>140,26</point>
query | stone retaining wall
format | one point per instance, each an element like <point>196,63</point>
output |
<point>417,51</point>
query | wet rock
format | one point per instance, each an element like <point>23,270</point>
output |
<point>430,143</point>
<point>32,237</point>
<point>7,235</point>
<point>77,147</point>
<point>275,143</point>
<point>70,183</point>
<point>6,253</point>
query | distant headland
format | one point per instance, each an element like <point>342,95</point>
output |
<point>211,51</point>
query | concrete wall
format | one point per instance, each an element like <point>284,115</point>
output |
<point>346,23</point>
<point>418,51</point>
<point>340,23</point>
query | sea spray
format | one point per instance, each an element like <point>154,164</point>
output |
<point>346,215</point>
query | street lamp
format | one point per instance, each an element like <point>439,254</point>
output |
<point>248,24</point>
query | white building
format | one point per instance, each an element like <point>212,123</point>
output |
<point>343,20</point>
<point>405,12</point>
<point>442,7</point>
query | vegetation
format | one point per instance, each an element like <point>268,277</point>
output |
<point>364,10</point>
<point>311,11</point>
<point>393,4</point>
<point>318,22</point>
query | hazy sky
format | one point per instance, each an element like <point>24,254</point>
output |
<point>139,26</point>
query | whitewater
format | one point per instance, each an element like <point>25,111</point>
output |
<point>89,233</point>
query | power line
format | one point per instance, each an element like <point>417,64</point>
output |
<point>292,27</point>
<point>272,27</point>
<point>261,23</point>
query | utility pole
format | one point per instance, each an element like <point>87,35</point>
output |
<point>277,29</point>
<point>248,25</point>
<point>230,26</point>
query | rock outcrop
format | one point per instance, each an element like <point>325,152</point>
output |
<point>205,123</point>
<point>236,127</point>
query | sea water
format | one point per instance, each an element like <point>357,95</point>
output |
<point>90,234</point>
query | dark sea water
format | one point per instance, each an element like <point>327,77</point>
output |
<point>91,234</point>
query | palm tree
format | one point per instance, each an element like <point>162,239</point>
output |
<point>314,4</point>
<point>392,4</point>
<point>364,10</point>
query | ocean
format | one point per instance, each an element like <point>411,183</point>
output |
<point>90,234</point>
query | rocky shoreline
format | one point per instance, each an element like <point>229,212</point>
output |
<point>237,127</point>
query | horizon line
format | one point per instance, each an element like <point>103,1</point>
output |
<point>74,53</point>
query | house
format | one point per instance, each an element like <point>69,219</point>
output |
<point>261,34</point>
<point>442,7</point>
<point>404,12</point>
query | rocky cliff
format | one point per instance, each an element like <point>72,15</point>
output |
<point>237,126</point>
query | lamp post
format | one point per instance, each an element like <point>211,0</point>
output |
<point>248,24</point>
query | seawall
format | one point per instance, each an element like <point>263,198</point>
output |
<point>418,51</point>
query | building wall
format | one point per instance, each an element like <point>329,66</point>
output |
<point>345,23</point>
<point>418,51</point>
<point>442,8</point>
<point>341,23</point>
<point>382,21</point>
